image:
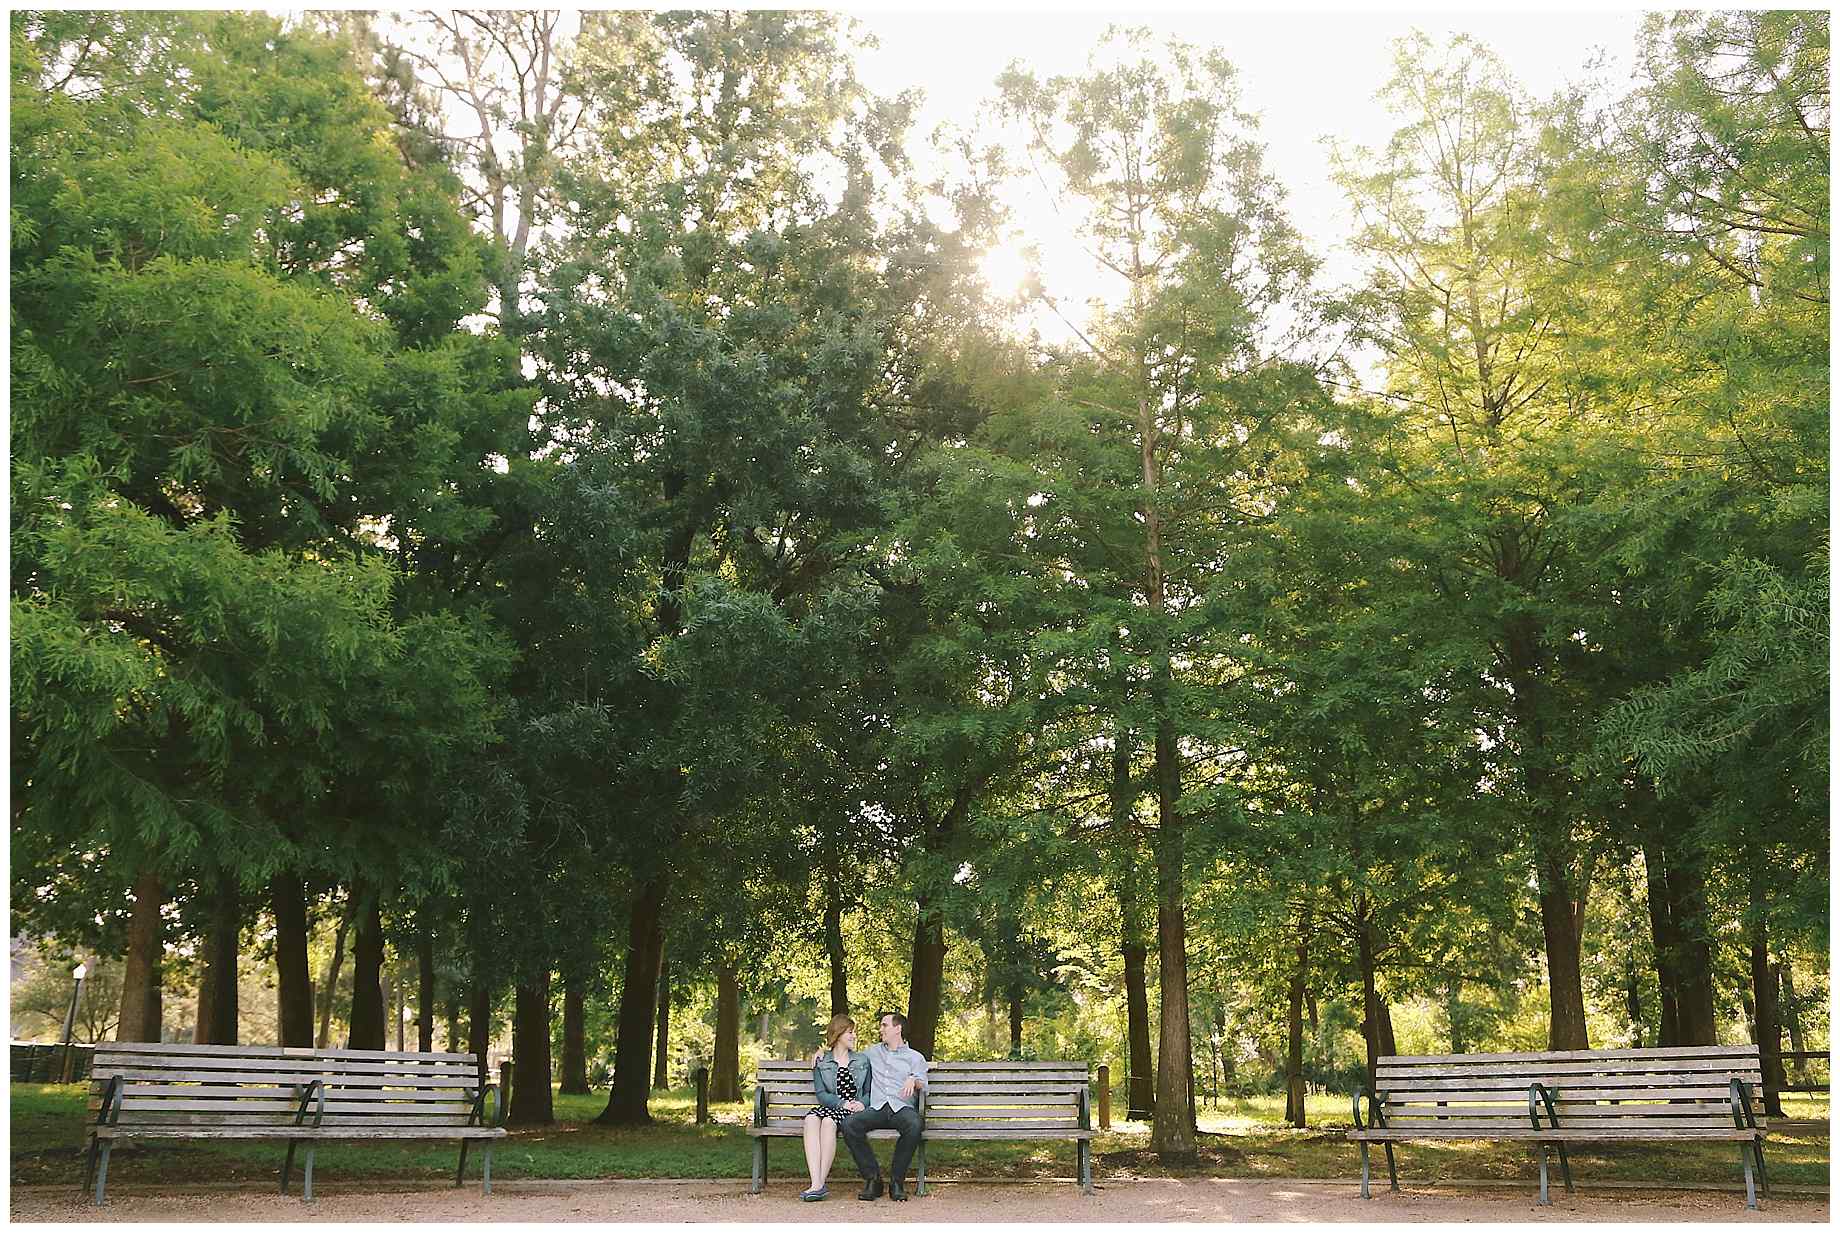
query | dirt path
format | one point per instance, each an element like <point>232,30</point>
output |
<point>1200,1199</point>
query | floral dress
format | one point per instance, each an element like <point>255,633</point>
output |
<point>846,1090</point>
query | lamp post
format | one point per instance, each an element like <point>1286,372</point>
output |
<point>70,1016</point>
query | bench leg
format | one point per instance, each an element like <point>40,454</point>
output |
<point>89,1168</point>
<point>460,1173</point>
<point>1750,1181</point>
<point>1565,1170</point>
<point>759,1182</point>
<point>1365,1193</point>
<point>287,1166</point>
<point>1763,1174</point>
<point>487,1162</point>
<point>1545,1199</point>
<point>1086,1186</point>
<point>1392,1170</point>
<point>102,1171</point>
<point>920,1168</point>
<point>306,1186</point>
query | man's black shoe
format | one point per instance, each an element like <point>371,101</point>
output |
<point>872,1189</point>
<point>897,1191</point>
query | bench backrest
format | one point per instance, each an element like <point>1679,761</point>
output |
<point>1688,1087</point>
<point>1039,1097</point>
<point>253,1085</point>
<point>1027,1098</point>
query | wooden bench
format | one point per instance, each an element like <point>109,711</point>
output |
<point>962,1100</point>
<point>305,1096</point>
<point>1580,1096</point>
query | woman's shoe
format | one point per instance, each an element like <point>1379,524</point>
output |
<point>813,1196</point>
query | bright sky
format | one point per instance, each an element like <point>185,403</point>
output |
<point>1306,75</point>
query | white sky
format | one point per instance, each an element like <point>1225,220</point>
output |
<point>1305,75</point>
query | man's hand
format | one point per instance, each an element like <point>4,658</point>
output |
<point>907,1089</point>
<point>853,1106</point>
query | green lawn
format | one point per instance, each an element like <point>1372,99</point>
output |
<point>1240,1139</point>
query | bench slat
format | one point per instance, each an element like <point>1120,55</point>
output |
<point>230,1066</point>
<point>1571,1055</point>
<point>179,1131</point>
<point>178,1050</point>
<point>932,1135</point>
<point>332,1082</point>
<point>1565,1134</point>
<point>1496,1090</point>
<point>1536,1070</point>
<point>333,1092</point>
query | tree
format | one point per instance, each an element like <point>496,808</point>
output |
<point>1180,210</point>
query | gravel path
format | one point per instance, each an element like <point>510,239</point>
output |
<point>1207,1199</point>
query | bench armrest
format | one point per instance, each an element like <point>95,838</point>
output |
<point>1538,1093</point>
<point>110,1113</point>
<point>1743,1116</point>
<point>477,1116</point>
<point>1376,1119</point>
<point>319,1114</point>
<point>760,1103</point>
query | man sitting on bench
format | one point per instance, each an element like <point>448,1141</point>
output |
<point>896,1074</point>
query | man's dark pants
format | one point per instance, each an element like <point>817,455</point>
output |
<point>855,1131</point>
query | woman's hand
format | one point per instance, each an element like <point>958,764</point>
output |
<point>817,1057</point>
<point>852,1106</point>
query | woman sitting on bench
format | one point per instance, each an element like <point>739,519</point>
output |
<point>840,1077</point>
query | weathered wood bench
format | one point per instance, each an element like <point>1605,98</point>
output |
<point>1561,1097</point>
<point>305,1096</point>
<point>962,1100</point>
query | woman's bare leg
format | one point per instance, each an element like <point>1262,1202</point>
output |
<point>815,1163</point>
<point>827,1139</point>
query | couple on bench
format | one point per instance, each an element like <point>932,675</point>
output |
<point>860,1092</point>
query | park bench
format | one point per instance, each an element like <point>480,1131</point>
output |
<point>1577,1096</point>
<point>304,1096</point>
<point>962,1100</point>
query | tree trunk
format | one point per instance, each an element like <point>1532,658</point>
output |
<point>140,979</point>
<point>725,1065</point>
<point>833,945</point>
<point>329,985</point>
<point>661,1051</point>
<point>1142,1087</point>
<point>1137,1014</point>
<point>1769,1031</point>
<point>453,1043</point>
<point>1699,1024</point>
<point>219,1024</point>
<point>574,1041</point>
<point>1453,1011</point>
<point>1562,921</point>
<point>1661,931</point>
<point>926,976</point>
<point>1293,1056</point>
<point>424,989</point>
<point>294,983</point>
<point>208,977</point>
<point>1790,1012</point>
<point>1172,1133</point>
<point>1632,1000</point>
<point>532,1102</point>
<point>1370,1000</point>
<point>367,1029</point>
<point>630,1091</point>
<point>1015,1021</point>
<point>479,1029</point>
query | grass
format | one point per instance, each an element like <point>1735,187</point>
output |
<point>1241,1138</point>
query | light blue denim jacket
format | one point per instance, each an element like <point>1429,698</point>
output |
<point>824,1078</point>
